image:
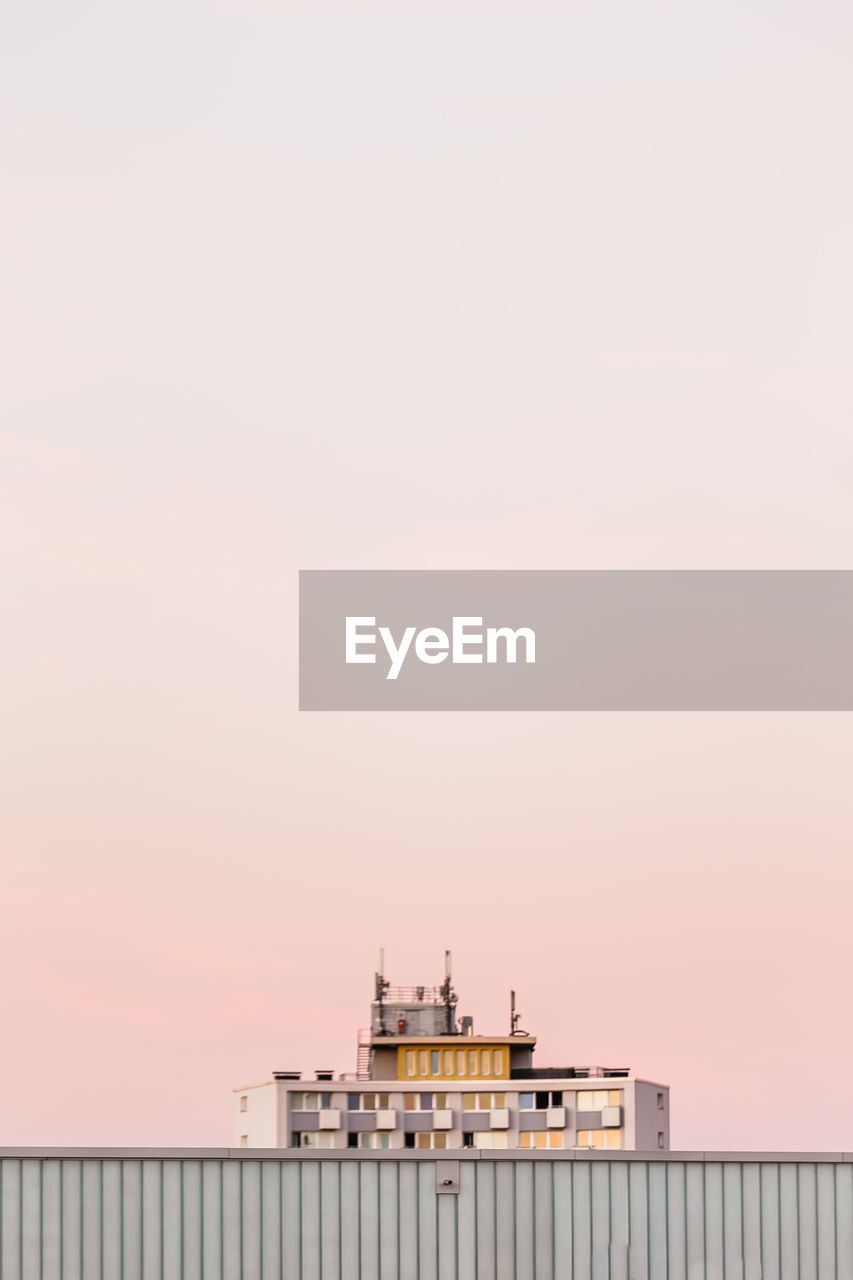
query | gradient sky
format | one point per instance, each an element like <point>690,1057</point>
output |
<point>410,285</point>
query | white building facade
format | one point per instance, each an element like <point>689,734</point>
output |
<point>599,1111</point>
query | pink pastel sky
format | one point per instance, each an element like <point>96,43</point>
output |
<point>422,284</point>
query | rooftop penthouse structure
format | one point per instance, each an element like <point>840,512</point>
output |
<point>425,1081</point>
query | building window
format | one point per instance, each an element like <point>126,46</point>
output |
<point>541,1140</point>
<point>368,1101</point>
<point>482,1101</point>
<point>244,1140</point>
<point>598,1099</point>
<point>600,1139</point>
<point>311,1140</point>
<point>430,1141</point>
<point>424,1101</point>
<point>310,1101</point>
<point>408,1140</point>
<point>373,1141</point>
<point>352,1139</point>
<point>490,1141</point>
<point>660,1141</point>
<point>540,1101</point>
<point>244,1103</point>
<point>660,1102</point>
<point>487,1062</point>
<point>467,1139</point>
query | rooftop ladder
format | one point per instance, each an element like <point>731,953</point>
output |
<point>362,1061</point>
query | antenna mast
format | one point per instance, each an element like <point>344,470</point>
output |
<point>514,1018</point>
<point>448,996</point>
<point>381,988</point>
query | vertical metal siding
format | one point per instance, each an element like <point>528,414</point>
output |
<point>200,1217</point>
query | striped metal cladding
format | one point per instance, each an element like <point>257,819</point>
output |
<point>552,1216</point>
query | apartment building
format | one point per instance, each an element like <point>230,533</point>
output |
<point>425,1081</point>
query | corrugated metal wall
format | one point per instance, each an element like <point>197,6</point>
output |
<point>209,1216</point>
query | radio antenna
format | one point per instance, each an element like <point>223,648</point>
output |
<point>514,1018</point>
